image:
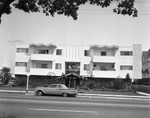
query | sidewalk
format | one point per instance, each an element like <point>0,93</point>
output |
<point>143,96</point>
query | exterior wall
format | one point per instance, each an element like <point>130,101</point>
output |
<point>125,61</point>
<point>112,60</point>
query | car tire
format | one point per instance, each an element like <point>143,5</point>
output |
<point>65,94</point>
<point>40,93</point>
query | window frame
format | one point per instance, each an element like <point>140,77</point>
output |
<point>86,52</point>
<point>105,53</point>
<point>86,67</point>
<point>43,51</point>
<point>58,66</point>
<point>21,64</point>
<point>126,53</point>
<point>126,67</point>
<point>58,51</point>
<point>22,50</point>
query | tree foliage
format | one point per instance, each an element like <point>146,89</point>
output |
<point>65,7</point>
<point>5,75</point>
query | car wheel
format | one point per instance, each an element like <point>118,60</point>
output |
<point>40,93</point>
<point>65,94</point>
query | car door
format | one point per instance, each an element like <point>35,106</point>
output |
<point>52,89</point>
<point>60,90</point>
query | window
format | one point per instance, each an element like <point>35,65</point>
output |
<point>126,53</point>
<point>86,67</point>
<point>43,52</point>
<point>22,50</point>
<point>59,52</point>
<point>103,53</point>
<point>86,52</point>
<point>44,65</point>
<point>58,66</point>
<point>21,64</point>
<point>103,68</point>
<point>53,86</point>
<point>124,67</point>
<point>39,65</point>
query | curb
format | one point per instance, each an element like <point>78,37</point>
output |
<point>105,96</point>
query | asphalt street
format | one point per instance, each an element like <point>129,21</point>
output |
<point>23,106</point>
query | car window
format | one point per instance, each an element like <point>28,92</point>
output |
<point>59,86</point>
<point>64,87</point>
<point>53,86</point>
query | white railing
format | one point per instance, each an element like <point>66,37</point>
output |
<point>105,74</point>
<point>20,70</point>
<point>42,57</point>
<point>110,59</point>
<point>40,71</point>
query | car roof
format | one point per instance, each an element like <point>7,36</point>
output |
<point>56,84</point>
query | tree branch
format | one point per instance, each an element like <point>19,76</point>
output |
<point>3,6</point>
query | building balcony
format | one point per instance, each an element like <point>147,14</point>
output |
<point>45,72</point>
<point>105,59</point>
<point>20,70</point>
<point>42,57</point>
<point>40,71</point>
<point>104,74</point>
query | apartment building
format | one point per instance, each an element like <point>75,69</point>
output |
<point>98,61</point>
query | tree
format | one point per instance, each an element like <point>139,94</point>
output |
<point>5,75</point>
<point>65,7</point>
<point>128,79</point>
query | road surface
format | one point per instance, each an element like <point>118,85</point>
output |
<point>23,106</point>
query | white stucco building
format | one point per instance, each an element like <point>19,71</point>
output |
<point>99,61</point>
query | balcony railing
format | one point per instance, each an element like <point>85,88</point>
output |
<point>105,74</point>
<point>110,59</point>
<point>20,70</point>
<point>45,71</point>
<point>42,57</point>
<point>40,71</point>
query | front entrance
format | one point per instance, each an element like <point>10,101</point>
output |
<point>72,82</point>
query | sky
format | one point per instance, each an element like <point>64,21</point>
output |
<point>93,26</point>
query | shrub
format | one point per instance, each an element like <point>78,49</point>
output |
<point>21,81</point>
<point>141,88</point>
<point>118,83</point>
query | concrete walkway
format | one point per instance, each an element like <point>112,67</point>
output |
<point>144,96</point>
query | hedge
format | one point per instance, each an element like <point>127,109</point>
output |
<point>141,88</point>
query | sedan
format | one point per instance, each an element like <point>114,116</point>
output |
<point>55,89</point>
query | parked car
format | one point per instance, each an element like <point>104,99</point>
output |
<point>56,89</point>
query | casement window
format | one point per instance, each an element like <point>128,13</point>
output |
<point>103,53</point>
<point>86,67</point>
<point>43,51</point>
<point>21,64</point>
<point>59,52</point>
<point>22,50</point>
<point>126,67</point>
<point>58,66</point>
<point>126,53</point>
<point>86,52</point>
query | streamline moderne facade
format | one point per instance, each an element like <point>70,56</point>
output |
<point>98,61</point>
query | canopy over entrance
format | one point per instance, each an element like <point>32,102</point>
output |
<point>72,80</point>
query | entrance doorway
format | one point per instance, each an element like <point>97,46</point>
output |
<point>72,80</point>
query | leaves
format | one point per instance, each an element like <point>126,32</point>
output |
<point>126,7</point>
<point>66,7</point>
<point>5,74</point>
<point>27,5</point>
